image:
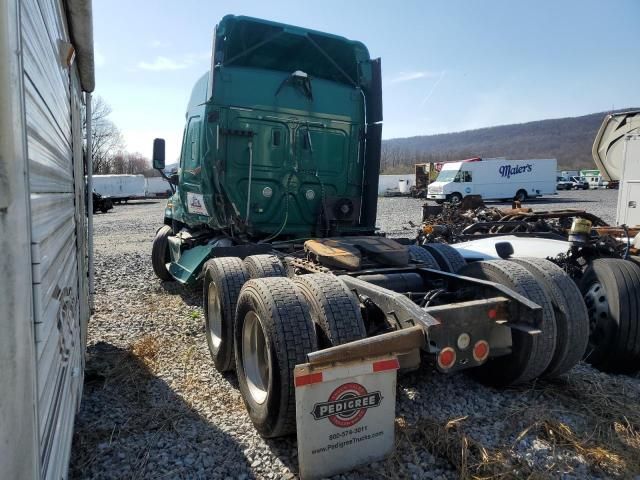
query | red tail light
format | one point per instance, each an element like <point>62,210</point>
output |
<point>446,358</point>
<point>480,351</point>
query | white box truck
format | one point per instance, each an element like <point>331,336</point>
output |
<point>494,179</point>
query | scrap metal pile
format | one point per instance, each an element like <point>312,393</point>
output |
<point>590,236</point>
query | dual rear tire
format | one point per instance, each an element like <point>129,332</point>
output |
<point>564,327</point>
<point>264,324</point>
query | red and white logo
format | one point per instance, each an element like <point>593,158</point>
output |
<point>346,405</point>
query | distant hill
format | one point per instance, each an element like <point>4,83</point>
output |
<point>569,140</point>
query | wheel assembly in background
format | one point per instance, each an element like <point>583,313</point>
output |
<point>611,290</point>
<point>222,280</point>
<point>160,255</point>
<point>261,266</point>
<point>448,258</point>
<point>530,354</point>
<point>273,332</point>
<point>334,309</point>
<point>419,254</point>
<point>570,312</point>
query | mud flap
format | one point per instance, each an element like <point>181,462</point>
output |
<point>345,414</point>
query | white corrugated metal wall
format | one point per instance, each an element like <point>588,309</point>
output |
<point>56,179</point>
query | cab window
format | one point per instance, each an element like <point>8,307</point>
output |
<point>466,176</point>
<point>190,159</point>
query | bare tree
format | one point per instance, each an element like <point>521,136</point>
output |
<point>106,138</point>
<point>123,162</point>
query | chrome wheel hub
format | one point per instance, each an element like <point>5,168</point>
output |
<point>255,357</point>
<point>214,315</point>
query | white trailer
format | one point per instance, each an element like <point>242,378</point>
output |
<point>120,188</point>
<point>494,179</point>
<point>157,187</point>
<point>616,151</point>
<point>46,74</point>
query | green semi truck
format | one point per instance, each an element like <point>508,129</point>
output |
<point>275,210</point>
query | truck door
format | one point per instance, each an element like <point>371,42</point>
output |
<point>628,211</point>
<point>191,170</point>
<point>321,155</point>
<point>467,185</point>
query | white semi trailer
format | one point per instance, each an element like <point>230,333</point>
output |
<point>46,76</point>
<point>156,187</point>
<point>120,188</point>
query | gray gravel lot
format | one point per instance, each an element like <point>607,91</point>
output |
<point>154,406</point>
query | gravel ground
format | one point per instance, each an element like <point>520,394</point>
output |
<point>154,406</point>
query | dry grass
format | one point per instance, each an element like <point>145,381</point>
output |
<point>147,349</point>
<point>596,421</point>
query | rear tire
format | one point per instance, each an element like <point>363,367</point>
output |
<point>334,309</point>
<point>419,254</point>
<point>572,319</point>
<point>521,196</point>
<point>223,280</point>
<point>448,258</point>
<point>530,354</point>
<point>261,266</point>
<point>160,255</point>
<point>273,333</point>
<point>611,288</point>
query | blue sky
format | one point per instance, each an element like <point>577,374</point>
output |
<point>447,65</point>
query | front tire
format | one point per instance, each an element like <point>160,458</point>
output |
<point>455,198</point>
<point>273,333</point>
<point>223,280</point>
<point>521,196</point>
<point>160,255</point>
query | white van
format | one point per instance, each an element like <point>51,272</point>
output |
<point>494,179</point>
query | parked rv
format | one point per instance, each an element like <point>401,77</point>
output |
<point>120,188</point>
<point>494,179</point>
<point>47,74</point>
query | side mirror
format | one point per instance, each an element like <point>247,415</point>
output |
<point>158,153</point>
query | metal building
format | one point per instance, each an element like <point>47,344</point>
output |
<point>46,74</point>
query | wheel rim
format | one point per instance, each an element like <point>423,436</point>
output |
<point>455,199</point>
<point>255,357</point>
<point>214,315</point>
<point>598,308</point>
